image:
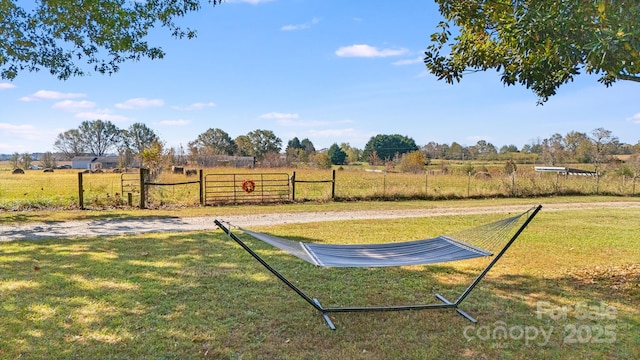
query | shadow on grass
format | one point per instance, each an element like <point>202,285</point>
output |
<point>198,295</point>
<point>17,217</point>
<point>22,217</point>
<point>96,227</point>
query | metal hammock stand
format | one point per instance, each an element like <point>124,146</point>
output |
<point>308,253</point>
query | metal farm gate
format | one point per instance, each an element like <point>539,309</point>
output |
<point>246,188</point>
<point>130,183</point>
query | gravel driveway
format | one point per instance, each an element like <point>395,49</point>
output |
<point>32,231</point>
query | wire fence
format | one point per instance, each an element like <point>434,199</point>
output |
<point>61,189</point>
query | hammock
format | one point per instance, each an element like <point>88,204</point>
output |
<point>427,251</point>
<point>480,241</point>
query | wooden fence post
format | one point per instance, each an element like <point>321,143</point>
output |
<point>333,185</point>
<point>80,192</point>
<point>201,187</point>
<point>293,186</point>
<point>143,188</point>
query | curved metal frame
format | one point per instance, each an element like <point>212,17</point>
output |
<point>445,304</point>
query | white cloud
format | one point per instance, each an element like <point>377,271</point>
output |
<point>7,148</point>
<point>409,61</point>
<point>635,119</point>
<point>140,103</point>
<point>348,135</point>
<point>74,106</point>
<point>24,132</point>
<point>363,50</point>
<point>4,86</point>
<point>13,130</point>
<point>195,106</point>
<point>304,26</point>
<point>278,116</point>
<point>51,95</point>
<point>180,122</point>
<point>294,27</point>
<point>102,114</point>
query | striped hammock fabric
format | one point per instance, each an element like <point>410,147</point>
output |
<point>426,251</point>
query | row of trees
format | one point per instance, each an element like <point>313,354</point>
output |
<point>597,148</point>
<point>574,147</point>
<point>98,138</point>
<point>257,143</point>
<point>139,142</point>
<point>25,160</point>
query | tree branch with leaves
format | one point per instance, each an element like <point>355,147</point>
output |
<point>74,38</point>
<point>540,44</point>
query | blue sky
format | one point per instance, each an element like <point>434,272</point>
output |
<point>331,71</point>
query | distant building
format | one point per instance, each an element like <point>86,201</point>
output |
<point>227,161</point>
<point>95,162</point>
<point>82,162</point>
<point>565,170</point>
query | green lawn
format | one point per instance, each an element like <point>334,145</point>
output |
<point>568,288</point>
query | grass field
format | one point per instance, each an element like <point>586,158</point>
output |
<point>568,288</point>
<point>60,189</point>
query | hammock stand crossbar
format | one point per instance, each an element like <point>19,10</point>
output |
<point>444,303</point>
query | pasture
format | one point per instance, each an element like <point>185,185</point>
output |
<point>568,288</point>
<point>60,189</point>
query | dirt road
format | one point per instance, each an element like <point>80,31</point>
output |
<point>34,231</point>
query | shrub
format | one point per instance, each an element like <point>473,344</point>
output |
<point>412,162</point>
<point>322,161</point>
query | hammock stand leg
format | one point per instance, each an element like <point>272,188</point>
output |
<point>325,316</point>
<point>493,262</point>
<point>446,304</point>
<point>308,299</point>
<point>487,268</point>
<point>314,302</point>
<point>458,310</point>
